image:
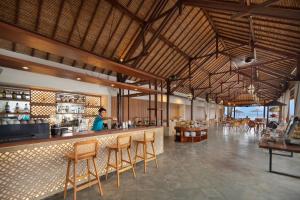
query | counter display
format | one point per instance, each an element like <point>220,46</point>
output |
<point>35,169</point>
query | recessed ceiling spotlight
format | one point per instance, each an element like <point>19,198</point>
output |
<point>121,59</point>
<point>78,79</point>
<point>26,68</point>
<point>112,85</point>
<point>135,89</point>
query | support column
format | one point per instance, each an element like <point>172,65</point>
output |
<point>155,105</point>
<point>168,102</point>
<point>297,98</point>
<point>264,109</point>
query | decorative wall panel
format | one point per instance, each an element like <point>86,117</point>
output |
<point>93,101</point>
<point>40,96</point>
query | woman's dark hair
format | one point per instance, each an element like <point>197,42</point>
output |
<point>101,109</point>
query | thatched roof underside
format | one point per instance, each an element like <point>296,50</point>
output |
<point>115,30</point>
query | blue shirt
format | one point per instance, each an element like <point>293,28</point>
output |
<point>98,124</point>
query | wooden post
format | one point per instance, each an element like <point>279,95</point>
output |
<point>161,103</point>
<point>192,105</point>
<point>149,103</point>
<point>155,106</point>
<point>128,106</point>
<point>267,115</point>
<point>234,112</point>
<point>264,109</point>
<point>168,102</point>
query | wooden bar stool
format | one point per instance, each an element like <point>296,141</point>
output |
<point>85,150</point>
<point>123,143</point>
<point>149,137</point>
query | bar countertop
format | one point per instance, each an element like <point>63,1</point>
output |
<point>74,135</point>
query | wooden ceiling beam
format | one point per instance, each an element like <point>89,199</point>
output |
<point>16,20</point>
<point>42,43</point>
<point>278,52</point>
<point>37,21</point>
<point>282,13</point>
<point>47,69</point>
<point>129,52</point>
<point>88,27</point>
<point>246,11</point>
<point>61,6</point>
<point>76,17</point>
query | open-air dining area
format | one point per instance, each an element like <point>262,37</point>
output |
<point>149,99</point>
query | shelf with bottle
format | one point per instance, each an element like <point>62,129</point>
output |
<point>70,98</point>
<point>14,94</point>
<point>14,108</point>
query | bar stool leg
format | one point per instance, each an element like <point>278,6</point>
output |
<point>107,166</point>
<point>145,157</point>
<point>67,178</point>
<point>154,153</point>
<point>117,168</point>
<point>121,158</point>
<point>88,170</point>
<point>129,157</point>
<point>136,153</point>
<point>74,186</point>
<point>97,176</point>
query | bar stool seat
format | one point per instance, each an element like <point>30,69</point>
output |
<point>83,151</point>
<point>149,137</point>
<point>123,143</point>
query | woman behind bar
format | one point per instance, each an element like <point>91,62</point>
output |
<point>98,124</point>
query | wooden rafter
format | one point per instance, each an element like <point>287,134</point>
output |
<point>16,20</point>
<point>61,6</point>
<point>88,27</point>
<point>37,21</point>
<point>76,17</point>
<point>140,37</point>
<point>236,7</point>
<point>248,10</point>
<point>42,43</point>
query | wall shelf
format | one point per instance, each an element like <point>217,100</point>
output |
<point>8,99</point>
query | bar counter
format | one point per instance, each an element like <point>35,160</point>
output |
<point>35,169</point>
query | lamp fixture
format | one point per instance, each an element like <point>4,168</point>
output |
<point>26,68</point>
<point>78,79</point>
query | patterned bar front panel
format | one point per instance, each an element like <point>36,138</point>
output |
<point>38,170</point>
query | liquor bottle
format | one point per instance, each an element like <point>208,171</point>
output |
<point>26,110</point>
<point>17,109</point>
<point>14,95</point>
<point>23,95</point>
<point>3,94</point>
<point>7,108</point>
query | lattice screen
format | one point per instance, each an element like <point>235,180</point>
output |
<point>39,96</point>
<point>91,111</point>
<point>42,110</point>
<point>93,101</point>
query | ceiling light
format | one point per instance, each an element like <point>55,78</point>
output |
<point>135,89</point>
<point>112,85</point>
<point>26,68</point>
<point>78,79</point>
<point>121,59</point>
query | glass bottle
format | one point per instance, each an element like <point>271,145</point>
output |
<point>7,108</point>
<point>26,108</point>
<point>17,109</point>
<point>14,95</point>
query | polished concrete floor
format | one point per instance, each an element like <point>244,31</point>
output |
<point>228,166</point>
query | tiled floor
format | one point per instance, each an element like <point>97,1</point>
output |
<point>228,166</point>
